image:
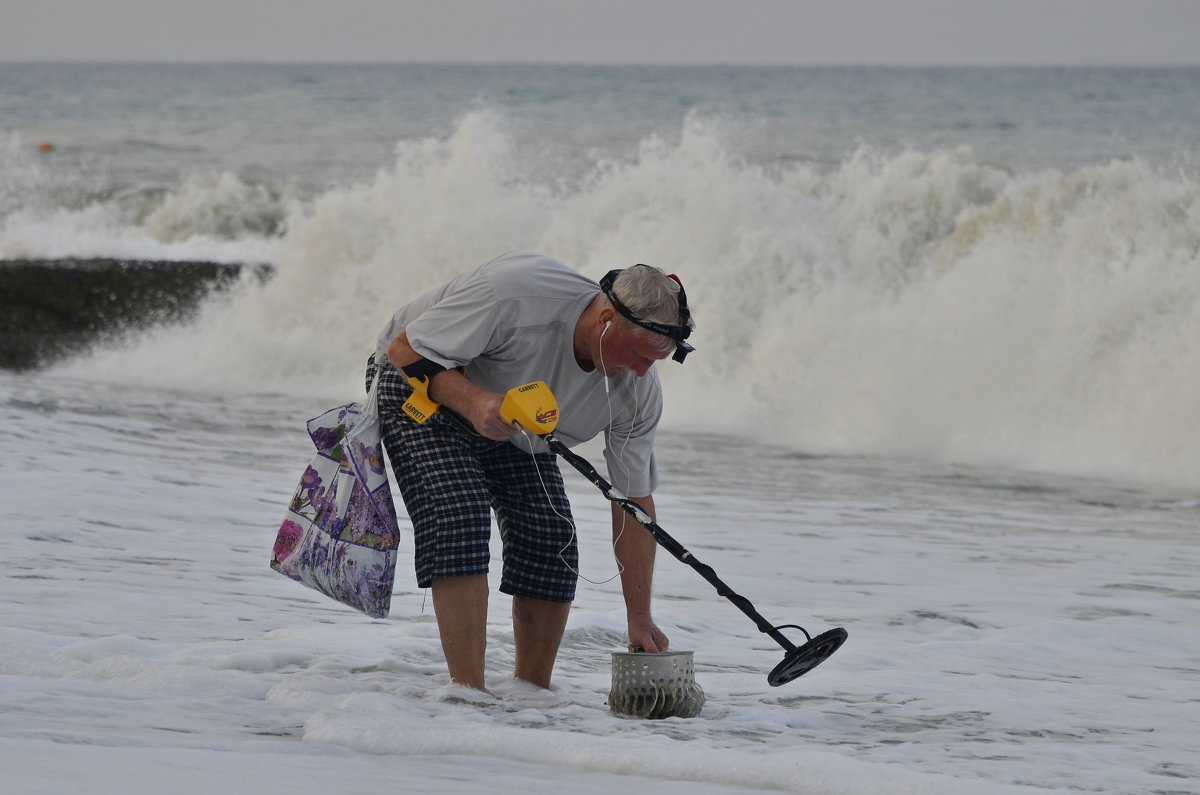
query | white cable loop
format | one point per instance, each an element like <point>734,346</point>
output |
<point>620,460</point>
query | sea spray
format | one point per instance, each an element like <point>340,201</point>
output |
<point>1043,329</point>
<point>911,304</point>
<point>218,205</point>
<point>62,212</point>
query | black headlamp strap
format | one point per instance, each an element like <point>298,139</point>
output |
<point>677,333</point>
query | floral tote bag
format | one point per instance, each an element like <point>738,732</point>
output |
<point>339,534</point>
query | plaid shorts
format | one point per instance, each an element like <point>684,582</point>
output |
<point>452,480</point>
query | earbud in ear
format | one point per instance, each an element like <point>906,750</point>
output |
<point>606,325</point>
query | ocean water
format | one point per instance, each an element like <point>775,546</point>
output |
<point>942,396</point>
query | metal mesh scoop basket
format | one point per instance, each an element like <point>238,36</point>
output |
<point>654,686</point>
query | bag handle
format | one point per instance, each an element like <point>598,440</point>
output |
<point>371,407</point>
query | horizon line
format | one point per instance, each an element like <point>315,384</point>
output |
<point>186,61</point>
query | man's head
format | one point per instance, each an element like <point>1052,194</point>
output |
<point>652,306</point>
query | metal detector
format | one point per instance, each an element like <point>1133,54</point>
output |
<point>534,408</point>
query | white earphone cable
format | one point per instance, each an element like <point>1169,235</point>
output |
<point>620,460</point>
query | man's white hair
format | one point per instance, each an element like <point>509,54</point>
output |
<point>651,295</point>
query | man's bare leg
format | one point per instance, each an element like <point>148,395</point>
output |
<point>460,604</point>
<point>538,627</point>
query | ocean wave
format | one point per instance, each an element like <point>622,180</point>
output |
<point>921,303</point>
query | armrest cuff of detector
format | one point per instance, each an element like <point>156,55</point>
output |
<point>422,368</point>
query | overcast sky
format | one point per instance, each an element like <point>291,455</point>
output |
<point>607,31</point>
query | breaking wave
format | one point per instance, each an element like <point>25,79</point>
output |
<point>908,303</point>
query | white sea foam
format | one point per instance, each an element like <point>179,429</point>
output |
<point>1007,631</point>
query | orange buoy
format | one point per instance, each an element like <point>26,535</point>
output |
<point>45,146</point>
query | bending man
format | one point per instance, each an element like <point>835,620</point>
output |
<point>522,318</point>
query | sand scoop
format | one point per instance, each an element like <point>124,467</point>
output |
<point>534,408</point>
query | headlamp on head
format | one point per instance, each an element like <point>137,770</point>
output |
<point>676,333</point>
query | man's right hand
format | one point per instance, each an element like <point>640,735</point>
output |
<point>483,411</point>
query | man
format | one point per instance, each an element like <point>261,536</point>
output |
<point>522,318</point>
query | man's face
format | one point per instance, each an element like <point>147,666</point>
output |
<point>621,350</point>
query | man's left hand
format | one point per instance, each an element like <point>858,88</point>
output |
<point>644,635</point>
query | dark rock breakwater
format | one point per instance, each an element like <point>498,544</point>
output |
<point>50,309</point>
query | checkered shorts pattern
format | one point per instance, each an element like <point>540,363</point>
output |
<point>452,480</point>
